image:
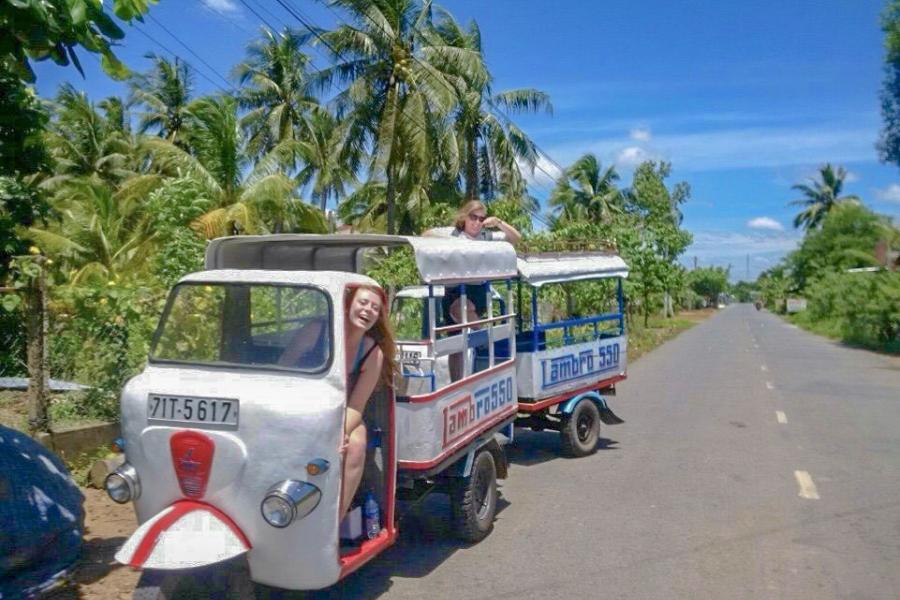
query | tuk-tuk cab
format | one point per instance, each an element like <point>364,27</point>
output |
<point>231,452</point>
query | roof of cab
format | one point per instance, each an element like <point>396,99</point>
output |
<point>539,269</point>
<point>439,260</point>
<point>324,279</point>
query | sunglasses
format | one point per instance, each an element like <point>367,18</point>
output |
<point>479,218</point>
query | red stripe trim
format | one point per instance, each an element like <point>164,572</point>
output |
<point>421,466</point>
<point>430,397</point>
<point>530,407</point>
<point>367,551</point>
<point>179,509</point>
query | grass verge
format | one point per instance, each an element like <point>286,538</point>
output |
<point>642,340</point>
<point>835,329</point>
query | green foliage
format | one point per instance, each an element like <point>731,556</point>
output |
<point>21,205</point>
<point>99,336</point>
<point>821,196</point>
<point>846,240</point>
<point>397,269</point>
<point>42,29</point>
<point>173,207</point>
<point>889,142</point>
<point>862,308</point>
<point>709,282</point>
<point>22,120</point>
<point>745,291</point>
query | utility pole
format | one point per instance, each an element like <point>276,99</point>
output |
<point>695,263</point>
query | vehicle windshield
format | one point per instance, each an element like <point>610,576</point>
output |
<point>258,325</point>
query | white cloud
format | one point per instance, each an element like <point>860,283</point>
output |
<point>851,177</point>
<point>738,147</point>
<point>889,194</point>
<point>222,5</point>
<point>723,248</point>
<point>640,134</point>
<point>765,223</point>
<point>631,156</point>
<point>544,174</point>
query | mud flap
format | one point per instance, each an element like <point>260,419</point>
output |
<point>185,535</point>
<point>607,415</point>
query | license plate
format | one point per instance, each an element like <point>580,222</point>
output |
<point>221,412</point>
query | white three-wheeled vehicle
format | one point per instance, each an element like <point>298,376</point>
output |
<point>229,452</point>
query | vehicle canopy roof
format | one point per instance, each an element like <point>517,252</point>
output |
<point>556,267</point>
<point>439,260</point>
<point>332,281</point>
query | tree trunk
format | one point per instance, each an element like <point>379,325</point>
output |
<point>471,167</point>
<point>36,328</point>
<point>391,188</point>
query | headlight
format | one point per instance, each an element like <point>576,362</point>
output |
<point>289,500</point>
<point>277,511</point>
<point>123,485</point>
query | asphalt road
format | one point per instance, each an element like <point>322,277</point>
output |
<point>756,461</point>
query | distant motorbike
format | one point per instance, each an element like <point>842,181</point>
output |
<point>758,305</point>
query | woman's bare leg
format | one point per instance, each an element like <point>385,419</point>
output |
<point>354,463</point>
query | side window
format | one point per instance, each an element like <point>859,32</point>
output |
<point>408,318</point>
<point>281,316</point>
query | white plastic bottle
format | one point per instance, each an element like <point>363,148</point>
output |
<point>370,514</point>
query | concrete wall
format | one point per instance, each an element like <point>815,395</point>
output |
<point>71,442</point>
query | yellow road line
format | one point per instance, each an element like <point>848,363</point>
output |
<point>807,487</point>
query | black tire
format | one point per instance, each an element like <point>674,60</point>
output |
<point>581,429</point>
<point>473,499</point>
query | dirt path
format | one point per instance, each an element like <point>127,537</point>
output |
<point>98,576</point>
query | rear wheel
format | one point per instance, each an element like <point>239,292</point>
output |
<point>581,429</point>
<point>473,499</point>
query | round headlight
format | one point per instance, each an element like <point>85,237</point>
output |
<point>277,511</point>
<point>117,487</point>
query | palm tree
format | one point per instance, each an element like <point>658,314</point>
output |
<point>587,192</point>
<point>402,82</point>
<point>251,198</point>
<point>101,236</point>
<point>330,160</point>
<point>276,89</point>
<point>820,196</point>
<point>85,143</point>
<point>164,92</point>
<point>491,146</point>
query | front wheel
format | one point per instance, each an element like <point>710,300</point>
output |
<point>229,580</point>
<point>581,429</point>
<point>473,499</point>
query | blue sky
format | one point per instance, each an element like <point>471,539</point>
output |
<point>744,99</point>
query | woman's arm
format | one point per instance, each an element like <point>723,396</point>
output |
<point>512,234</point>
<point>365,385</point>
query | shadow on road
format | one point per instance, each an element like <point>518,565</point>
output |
<point>426,540</point>
<point>536,447</point>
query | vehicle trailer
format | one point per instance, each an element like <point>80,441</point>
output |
<point>567,365</point>
<point>231,454</point>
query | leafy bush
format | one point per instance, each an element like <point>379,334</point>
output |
<point>862,308</point>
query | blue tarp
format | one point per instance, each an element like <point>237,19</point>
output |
<point>41,517</point>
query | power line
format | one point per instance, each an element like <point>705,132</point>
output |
<point>258,16</point>
<point>188,48</point>
<point>234,23</point>
<point>270,13</point>
<point>179,57</point>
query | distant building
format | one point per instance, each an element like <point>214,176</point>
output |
<point>886,257</point>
